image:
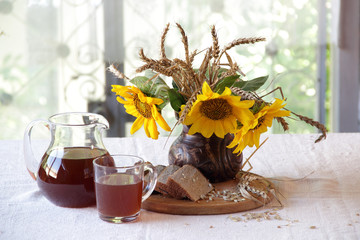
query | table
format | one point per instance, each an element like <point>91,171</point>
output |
<point>323,205</point>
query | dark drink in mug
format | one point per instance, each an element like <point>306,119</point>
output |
<point>119,194</point>
<point>120,187</point>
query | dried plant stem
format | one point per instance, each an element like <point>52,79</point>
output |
<point>185,42</point>
<point>193,54</point>
<point>188,105</point>
<point>216,48</point>
<point>152,78</point>
<point>252,154</point>
<point>185,95</point>
<point>243,41</point>
<point>162,42</point>
<point>189,72</point>
<point>204,65</point>
<point>283,123</point>
<point>313,123</point>
<point>243,94</point>
<point>143,57</point>
<point>156,68</point>
<point>116,72</point>
<point>238,42</point>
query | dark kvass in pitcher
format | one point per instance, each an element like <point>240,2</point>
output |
<point>66,176</point>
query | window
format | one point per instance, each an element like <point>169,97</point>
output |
<point>54,54</point>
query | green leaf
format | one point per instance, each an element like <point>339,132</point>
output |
<point>142,83</point>
<point>226,82</point>
<point>251,85</point>
<point>157,88</point>
<point>176,99</point>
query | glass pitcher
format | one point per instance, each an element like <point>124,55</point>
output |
<point>65,173</point>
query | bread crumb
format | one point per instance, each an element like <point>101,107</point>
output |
<point>312,227</point>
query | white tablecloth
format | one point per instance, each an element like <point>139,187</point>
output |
<point>324,205</point>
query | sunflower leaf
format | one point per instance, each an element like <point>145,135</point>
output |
<point>176,99</point>
<point>226,82</point>
<point>142,83</point>
<point>251,85</point>
<point>156,88</point>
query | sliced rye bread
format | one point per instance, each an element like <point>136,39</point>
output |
<point>158,169</point>
<point>188,182</point>
<point>161,186</point>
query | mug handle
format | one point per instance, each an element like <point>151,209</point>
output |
<point>32,164</point>
<point>152,176</point>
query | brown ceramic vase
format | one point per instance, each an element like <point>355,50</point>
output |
<point>209,155</point>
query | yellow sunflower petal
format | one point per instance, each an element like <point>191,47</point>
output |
<point>244,116</point>
<point>153,129</point>
<point>230,125</point>
<point>159,119</point>
<point>156,101</point>
<point>195,127</point>
<point>243,103</point>
<point>226,92</point>
<point>137,125</point>
<point>219,130</point>
<point>206,90</point>
<point>256,138</point>
<point>207,131</point>
<point>146,127</point>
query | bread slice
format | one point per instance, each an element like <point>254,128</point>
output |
<point>188,182</point>
<point>158,169</point>
<point>161,185</point>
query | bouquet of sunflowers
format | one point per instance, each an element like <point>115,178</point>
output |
<point>211,99</point>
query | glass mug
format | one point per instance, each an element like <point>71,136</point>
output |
<point>120,187</point>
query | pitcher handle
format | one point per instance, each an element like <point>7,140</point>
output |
<point>32,164</point>
<point>150,186</point>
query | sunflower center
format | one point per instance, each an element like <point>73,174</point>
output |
<point>216,109</point>
<point>143,108</point>
<point>260,122</point>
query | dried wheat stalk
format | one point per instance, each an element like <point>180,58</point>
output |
<point>233,66</point>
<point>283,123</point>
<point>239,41</point>
<point>313,123</point>
<point>116,72</point>
<point>205,64</point>
<point>242,41</point>
<point>216,47</point>
<point>189,72</point>
<point>157,68</point>
<point>193,54</point>
<point>243,94</point>
<point>185,42</point>
<point>162,42</point>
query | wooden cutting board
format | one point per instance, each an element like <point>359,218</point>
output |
<point>164,204</point>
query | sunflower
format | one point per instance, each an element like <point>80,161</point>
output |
<point>250,135</point>
<point>143,108</point>
<point>214,113</point>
